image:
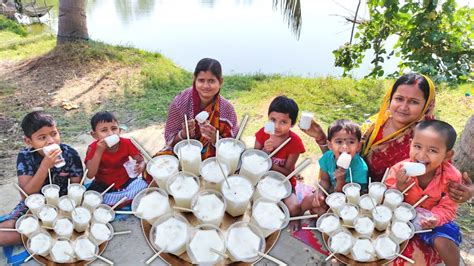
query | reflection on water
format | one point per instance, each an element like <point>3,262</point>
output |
<point>129,11</point>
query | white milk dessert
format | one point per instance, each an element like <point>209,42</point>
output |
<point>189,153</point>
<point>161,168</point>
<point>328,223</point>
<point>363,250</point>
<point>81,218</point>
<point>152,205</point>
<point>62,251</point>
<point>92,199</point>
<point>84,248</point>
<point>401,231</point>
<point>404,213</point>
<point>103,214</point>
<point>212,174</point>
<point>40,244</point>
<point>348,213</point>
<point>171,235</point>
<point>335,201</point>
<point>49,148</point>
<point>27,225</point>
<point>199,248</point>
<point>48,215</point>
<point>376,191</point>
<point>99,233</point>
<point>393,198</point>
<point>35,202</point>
<point>51,193</point>
<point>271,187</point>
<point>66,205</point>
<point>238,195</point>
<point>63,227</point>
<point>243,242</point>
<point>366,204</point>
<point>209,207</point>
<point>382,216</point>
<point>229,151</point>
<point>254,164</point>
<point>269,216</point>
<point>364,226</point>
<point>341,242</point>
<point>75,192</point>
<point>344,160</point>
<point>352,191</point>
<point>183,186</point>
<point>385,248</point>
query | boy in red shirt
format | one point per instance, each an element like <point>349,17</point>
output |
<point>283,112</point>
<point>106,163</point>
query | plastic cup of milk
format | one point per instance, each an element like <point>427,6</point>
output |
<point>103,214</point>
<point>209,207</point>
<point>385,248</point>
<point>63,227</point>
<point>62,251</point>
<point>150,204</point>
<point>269,128</point>
<point>112,140</point>
<point>271,187</point>
<point>85,249</point>
<point>212,174</point>
<point>238,195</point>
<point>269,216</point>
<point>328,223</point>
<point>352,191</point>
<point>190,155</point>
<point>366,204</point>
<point>170,233</point>
<point>243,241</point>
<point>51,193</point>
<point>335,201</point>
<point>382,216</point>
<point>183,186</point>
<point>364,225</point>
<point>48,214</point>
<point>401,231</point>
<point>48,149</point>
<point>341,241</point>
<point>393,198</point>
<point>130,168</point>
<point>414,169</point>
<point>344,160</point>
<point>92,199</point>
<point>405,212</point>
<point>66,205</point>
<point>349,213</point>
<point>35,202</point>
<point>81,218</point>
<point>204,238</point>
<point>363,249</point>
<point>161,168</point>
<point>75,192</point>
<point>202,117</point>
<point>40,243</point>
<point>27,225</point>
<point>99,233</point>
<point>305,120</point>
<point>255,163</point>
<point>376,191</point>
<point>228,150</point>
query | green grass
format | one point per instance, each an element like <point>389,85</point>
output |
<point>11,26</point>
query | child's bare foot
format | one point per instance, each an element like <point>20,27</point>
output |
<point>294,226</point>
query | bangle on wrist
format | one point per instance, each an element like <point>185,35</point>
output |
<point>179,135</point>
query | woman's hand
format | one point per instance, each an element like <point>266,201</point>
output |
<point>208,132</point>
<point>461,192</point>
<point>191,127</point>
<point>317,132</point>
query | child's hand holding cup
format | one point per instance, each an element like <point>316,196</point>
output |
<point>59,159</point>
<point>130,167</point>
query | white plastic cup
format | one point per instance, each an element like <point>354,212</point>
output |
<point>382,216</point>
<point>62,250</point>
<point>191,155</point>
<point>35,202</point>
<point>270,187</point>
<point>212,175</point>
<point>243,240</point>
<point>75,192</point>
<point>341,241</point>
<point>202,117</point>
<point>130,168</point>
<point>228,150</point>
<point>103,214</point>
<point>376,191</point>
<point>48,149</point>
<point>171,233</point>
<point>269,220</point>
<point>183,186</point>
<point>203,238</point>
<point>99,232</point>
<point>51,193</point>
<point>328,223</point>
<point>364,225</point>
<point>385,247</point>
<point>255,163</point>
<point>349,213</point>
<point>269,128</point>
<point>27,225</point>
<point>48,214</point>
<point>363,249</point>
<point>85,249</point>
<point>414,169</point>
<point>112,140</point>
<point>209,207</point>
<point>63,227</point>
<point>150,204</point>
<point>305,120</point>
<point>352,191</point>
<point>92,199</point>
<point>393,198</point>
<point>238,195</point>
<point>344,160</point>
<point>161,168</point>
<point>66,205</point>
<point>336,201</point>
<point>366,204</point>
<point>81,218</point>
<point>401,231</point>
<point>405,212</point>
<point>40,243</point>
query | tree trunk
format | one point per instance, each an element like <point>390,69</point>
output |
<point>72,24</point>
<point>464,152</point>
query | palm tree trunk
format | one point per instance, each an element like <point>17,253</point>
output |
<point>464,151</point>
<point>72,24</point>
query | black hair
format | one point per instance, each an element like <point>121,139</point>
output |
<point>209,64</point>
<point>412,79</point>
<point>103,116</point>
<point>441,127</point>
<point>344,124</point>
<point>285,105</point>
<point>34,121</point>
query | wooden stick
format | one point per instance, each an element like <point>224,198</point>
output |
<point>222,171</point>
<point>84,177</point>
<point>242,126</point>
<point>142,150</point>
<point>36,150</point>
<point>72,205</point>
<point>182,209</point>
<point>150,260</point>
<point>49,175</point>
<point>310,228</point>
<point>217,138</point>
<point>187,128</point>
<point>350,174</point>
<point>420,201</point>
<point>303,217</point>
<point>180,159</point>
<point>122,233</point>
<point>104,260</point>
<point>107,189</point>
<point>298,169</point>
<point>219,253</point>
<point>47,227</point>
<point>124,212</point>
<point>29,257</point>
<point>21,190</point>
<point>279,147</point>
<point>68,182</point>
<point>373,204</point>
<point>8,230</point>
<point>405,258</point>
<point>119,202</point>
<point>408,188</point>
<point>266,256</point>
<point>321,187</point>
<point>385,175</point>
<point>423,231</point>
<point>330,256</point>
<point>348,226</point>
<point>370,181</point>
